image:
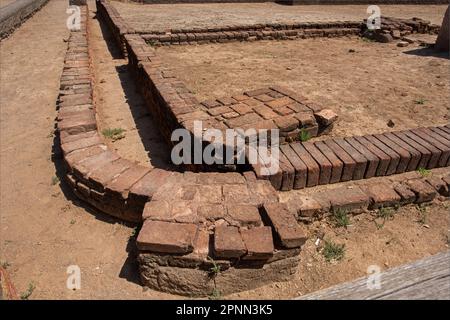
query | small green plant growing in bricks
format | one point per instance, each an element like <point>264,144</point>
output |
<point>423,172</point>
<point>340,218</point>
<point>423,215</point>
<point>27,293</point>
<point>333,251</point>
<point>384,214</point>
<point>55,180</point>
<point>114,133</point>
<point>304,135</point>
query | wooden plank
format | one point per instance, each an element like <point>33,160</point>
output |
<point>428,278</point>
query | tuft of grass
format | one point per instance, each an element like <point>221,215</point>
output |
<point>423,214</point>
<point>215,269</point>
<point>423,172</point>
<point>385,214</point>
<point>420,101</point>
<point>55,180</point>
<point>304,135</point>
<point>114,133</point>
<point>215,295</point>
<point>27,293</point>
<point>341,218</point>
<point>5,264</point>
<point>133,233</point>
<point>333,251</point>
<point>73,221</point>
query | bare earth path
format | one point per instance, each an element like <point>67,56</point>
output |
<point>41,231</point>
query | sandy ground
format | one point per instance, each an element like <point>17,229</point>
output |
<point>44,229</point>
<point>367,88</point>
<point>120,106</point>
<point>161,17</point>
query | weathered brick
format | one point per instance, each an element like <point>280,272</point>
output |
<point>415,155</point>
<point>306,119</point>
<point>166,237</point>
<point>360,160</point>
<point>382,195</point>
<point>347,160</point>
<point>236,193</point>
<point>120,186</point>
<point>439,185</point>
<point>280,102</point>
<point>336,164</point>
<point>241,108</point>
<point>288,173</point>
<point>424,192</point>
<point>312,166</point>
<point>308,206</point>
<point>264,98</point>
<point>211,103</point>
<point>259,243</point>
<point>384,159</point>
<point>157,210</point>
<point>244,215</point>
<point>346,199</point>
<point>257,92</point>
<point>435,152</point>
<point>265,112</point>
<point>444,148</point>
<point>322,161</point>
<point>395,157</point>
<point>143,190</point>
<point>81,144</point>
<point>219,110</point>
<point>101,176</point>
<point>406,194</point>
<point>211,212</point>
<point>372,160</point>
<point>228,242</point>
<point>245,119</point>
<point>286,123</point>
<point>301,171</point>
<point>405,156</point>
<point>325,117</point>
<point>425,153</point>
<point>83,168</point>
<point>288,232</point>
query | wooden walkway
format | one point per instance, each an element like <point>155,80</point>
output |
<point>425,279</point>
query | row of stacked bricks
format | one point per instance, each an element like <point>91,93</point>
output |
<point>115,23</point>
<point>369,195</point>
<point>279,31</point>
<point>230,217</point>
<point>309,164</point>
<point>97,175</point>
<point>269,108</point>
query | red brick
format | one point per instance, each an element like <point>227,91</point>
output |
<point>120,186</point>
<point>346,199</point>
<point>439,185</point>
<point>265,112</point>
<point>384,159</point>
<point>211,212</point>
<point>436,143</point>
<point>81,144</point>
<point>286,123</point>
<point>395,157</point>
<point>299,108</point>
<point>347,160</point>
<point>441,132</point>
<point>83,168</point>
<point>308,206</point>
<point>280,102</point>
<point>101,176</point>
<point>246,119</point>
<point>259,243</point>
<point>372,160</point>
<point>415,155</point>
<point>288,173</point>
<point>157,210</point>
<point>143,190</point>
<point>166,237</point>
<point>75,125</point>
<point>300,168</point>
<point>336,164</point>
<point>324,164</point>
<point>325,117</point>
<point>264,98</point>
<point>435,152</point>
<point>235,193</point>
<point>245,215</point>
<point>226,101</point>
<point>211,103</point>
<point>405,156</point>
<point>424,192</point>
<point>241,108</point>
<point>257,92</point>
<point>228,242</point>
<point>65,138</point>
<point>406,194</point>
<point>312,166</point>
<point>382,195</point>
<point>426,154</point>
<point>252,102</point>
<point>306,119</point>
<point>288,232</point>
<point>361,161</point>
<point>78,155</point>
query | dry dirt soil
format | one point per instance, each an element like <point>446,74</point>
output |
<point>44,229</point>
<point>365,83</point>
<point>167,16</point>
